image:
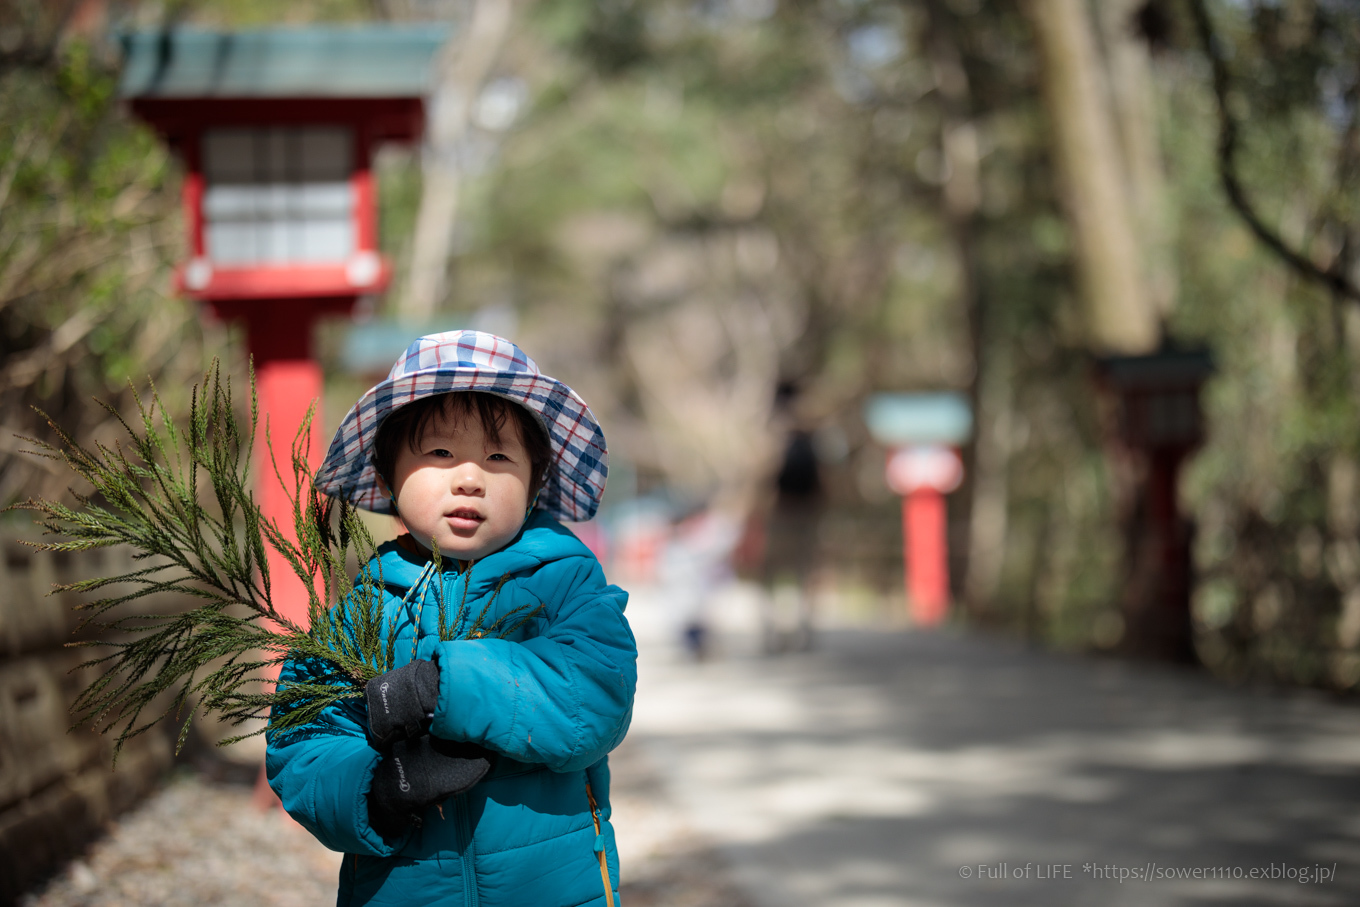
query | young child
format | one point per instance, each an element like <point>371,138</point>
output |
<point>475,773</point>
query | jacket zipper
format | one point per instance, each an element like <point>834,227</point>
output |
<point>600,848</point>
<point>467,849</point>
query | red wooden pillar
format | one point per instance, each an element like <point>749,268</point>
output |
<point>288,383</point>
<point>923,474</point>
<point>926,556</point>
<point>287,388</point>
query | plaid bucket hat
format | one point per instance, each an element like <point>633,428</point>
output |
<point>473,361</point>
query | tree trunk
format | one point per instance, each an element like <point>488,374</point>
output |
<point>1119,315</point>
<point>987,457</point>
<point>1134,102</point>
<point>464,67</point>
<point>988,521</point>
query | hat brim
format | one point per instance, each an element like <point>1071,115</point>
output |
<point>576,478</point>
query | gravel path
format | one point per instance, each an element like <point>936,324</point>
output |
<point>199,840</point>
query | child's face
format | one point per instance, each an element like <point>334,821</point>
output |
<point>460,489</point>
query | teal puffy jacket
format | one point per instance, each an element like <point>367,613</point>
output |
<point>552,699</point>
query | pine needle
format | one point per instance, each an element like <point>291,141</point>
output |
<point>208,545</point>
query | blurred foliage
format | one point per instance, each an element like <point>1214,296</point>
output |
<point>665,135</point>
<point>707,200</point>
<point>266,13</point>
<point>89,228</point>
<point>700,201</point>
<point>1277,486</point>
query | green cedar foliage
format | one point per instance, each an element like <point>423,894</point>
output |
<point>149,493</point>
<point>211,549</point>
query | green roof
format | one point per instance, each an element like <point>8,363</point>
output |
<point>348,62</point>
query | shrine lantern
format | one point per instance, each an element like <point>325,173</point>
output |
<point>277,131</point>
<point>923,430</point>
<point>1158,423</point>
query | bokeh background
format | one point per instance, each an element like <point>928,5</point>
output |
<point>725,222</point>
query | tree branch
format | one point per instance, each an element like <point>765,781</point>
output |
<point>1228,145</point>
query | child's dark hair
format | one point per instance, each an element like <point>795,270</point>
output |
<point>409,424</point>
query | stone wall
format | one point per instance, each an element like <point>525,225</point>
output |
<point>57,788</point>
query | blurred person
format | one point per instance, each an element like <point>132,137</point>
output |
<point>697,563</point>
<point>792,549</point>
<point>475,771</point>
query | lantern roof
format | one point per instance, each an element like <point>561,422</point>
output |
<point>370,61</point>
<point>1169,368</point>
<point>939,417</point>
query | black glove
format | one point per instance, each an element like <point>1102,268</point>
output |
<point>401,702</point>
<point>415,774</point>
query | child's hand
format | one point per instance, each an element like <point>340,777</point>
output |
<point>415,774</point>
<point>401,703</point>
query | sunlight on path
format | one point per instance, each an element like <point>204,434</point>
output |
<point>884,765</point>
